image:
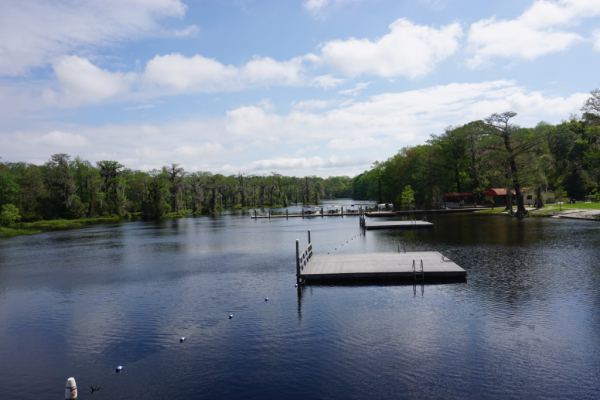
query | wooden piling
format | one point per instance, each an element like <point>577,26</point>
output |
<point>309,236</point>
<point>297,261</point>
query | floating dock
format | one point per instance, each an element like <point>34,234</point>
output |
<point>425,266</point>
<point>413,224</point>
<point>401,266</point>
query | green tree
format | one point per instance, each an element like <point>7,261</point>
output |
<point>9,215</point>
<point>9,189</point>
<point>407,198</point>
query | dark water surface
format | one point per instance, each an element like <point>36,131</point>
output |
<point>81,302</point>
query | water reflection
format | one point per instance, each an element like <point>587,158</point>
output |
<point>79,302</point>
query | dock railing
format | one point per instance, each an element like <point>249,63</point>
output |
<point>418,274</point>
<point>302,258</point>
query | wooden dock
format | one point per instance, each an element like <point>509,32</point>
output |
<point>421,267</point>
<point>382,265</point>
<point>269,216</point>
<point>412,224</point>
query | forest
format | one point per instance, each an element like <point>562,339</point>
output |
<point>493,153</point>
<point>65,188</point>
<point>483,154</point>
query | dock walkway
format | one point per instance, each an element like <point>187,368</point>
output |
<point>381,265</point>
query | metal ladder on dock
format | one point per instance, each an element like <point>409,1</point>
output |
<point>419,275</point>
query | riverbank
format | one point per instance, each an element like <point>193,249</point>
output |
<point>31,228</point>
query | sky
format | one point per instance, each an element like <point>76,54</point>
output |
<point>308,87</point>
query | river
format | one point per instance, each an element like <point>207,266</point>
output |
<point>81,302</point>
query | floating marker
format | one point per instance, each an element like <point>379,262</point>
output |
<point>70,389</point>
<point>182,339</point>
<point>231,316</point>
<point>119,368</point>
<point>266,299</point>
<point>296,285</point>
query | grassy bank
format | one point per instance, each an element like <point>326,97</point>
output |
<point>30,228</point>
<point>10,232</point>
<point>547,209</point>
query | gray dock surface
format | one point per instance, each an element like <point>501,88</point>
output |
<point>381,265</point>
<point>397,225</point>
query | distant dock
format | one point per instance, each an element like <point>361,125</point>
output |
<point>435,211</point>
<point>413,224</point>
<point>414,266</point>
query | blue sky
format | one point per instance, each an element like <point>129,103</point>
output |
<point>317,87</point>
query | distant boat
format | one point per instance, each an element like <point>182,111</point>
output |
<point>334,210</point>
<point>311,210</point>
<point>352,210</point>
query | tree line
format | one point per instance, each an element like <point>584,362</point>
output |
<point>493,153</point>
<point>66,188</point>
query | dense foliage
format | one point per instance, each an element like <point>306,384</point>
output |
<point>493,153</point>
<point>73,188</point>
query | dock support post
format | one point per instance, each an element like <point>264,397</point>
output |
<point>342,211</point>
<point>302,212</point>
<point>309,236</point>
<point>321,212</point>
<point>255,213</point>
<point>286,214</point>
<point>297,261</point>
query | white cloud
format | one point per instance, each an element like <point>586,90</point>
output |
<point>408,50</point>
<point>81,82</point>
<point>203,74</point>
<point>407,116</point>
<point>314,104</point>
<point>531,35</point>
<point>357,89</point>
<point>326,81</point>
<point>312,163</point>
<point>360,143</point>
<point>312,138</point>
<point>33,32</point>
<point>64,140</point>
<point>596,39</point>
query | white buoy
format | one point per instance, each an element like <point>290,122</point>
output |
<point>231,316</point>
<point>266,299</point>
<point>70,389</point>
<point>119,368</point>
<point>296,285</point>
<point>182,339</point>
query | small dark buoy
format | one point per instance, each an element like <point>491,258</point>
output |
<point>95,388</point>
<point>231,316</point>
<point>296,285</point>
<point>119,368</point>
<point>182,339</point>
<point>266,299</point>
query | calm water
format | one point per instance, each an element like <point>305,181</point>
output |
<point>81,302</point>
